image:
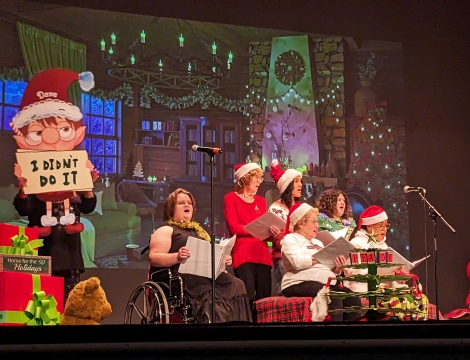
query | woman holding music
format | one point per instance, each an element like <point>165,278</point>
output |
<point>251,259</point>
<point>168,249</point>
<point>371,233</point>
<point>305,276</point>
<point>289,184</point>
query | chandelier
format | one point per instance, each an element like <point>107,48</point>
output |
<point>137,64</point>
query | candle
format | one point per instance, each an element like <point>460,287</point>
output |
<point>142,37</point>
<point>160,65</point>
<point>189,67</point>
<point>230,57</point>
<point>214,49</point>
<point>113,39</point>
<point>103,45</point>
<point>111,50</point>
<point>132,59</point>
<point>181,38</point>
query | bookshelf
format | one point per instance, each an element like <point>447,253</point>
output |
<point>218,132</point>
<point>159,134</point>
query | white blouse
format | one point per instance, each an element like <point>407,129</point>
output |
<point>297,252</point>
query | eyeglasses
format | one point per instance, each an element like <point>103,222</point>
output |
<point>382,225</point>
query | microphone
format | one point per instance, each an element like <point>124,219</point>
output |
<point>207,150</point>
<point>408,189</point>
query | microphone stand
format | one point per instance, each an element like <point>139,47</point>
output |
<point>211,158</point>
<point>434,215</point>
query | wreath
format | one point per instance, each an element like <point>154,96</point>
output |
<point>289,67</point>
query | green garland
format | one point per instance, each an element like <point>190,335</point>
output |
<point>207,98</point>
<point>203,96</point>
<point>377,278</point>
<point>385,294</point>
<point>124,92</point>
<point>366,266</point>
<point>378,309</point>
<point>13,74</point>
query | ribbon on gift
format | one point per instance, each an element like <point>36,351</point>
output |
<point>21,244</point>
<point>41,311</point>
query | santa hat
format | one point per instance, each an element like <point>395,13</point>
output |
<point>282,178</point>
<point>47,96</point>
<point>242,169</point>
<point>296,212</point>
<point>372,215</point>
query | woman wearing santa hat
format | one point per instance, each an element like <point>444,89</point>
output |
<point>371,233</point>
<point>335,212</point>
<point>305,276</point>
<point>251,260</point>
<point>289,184</point>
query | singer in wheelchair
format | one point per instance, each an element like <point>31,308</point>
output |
<point>168,249</point>
<point>335,212</point>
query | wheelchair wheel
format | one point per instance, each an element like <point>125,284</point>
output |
<point>149,304</point>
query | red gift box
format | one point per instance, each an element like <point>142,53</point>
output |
<point>29,299</point>
<point>8,231</point>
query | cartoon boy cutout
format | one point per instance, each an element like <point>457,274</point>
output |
<point>47,121</point>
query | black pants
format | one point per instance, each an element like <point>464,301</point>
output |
<point>71,278</point>
<point>311,288</point>
<point>257,279</point>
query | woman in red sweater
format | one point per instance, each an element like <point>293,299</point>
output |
<point>251,259</point>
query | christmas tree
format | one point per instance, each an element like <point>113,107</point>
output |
<point>378,167</point>
<point>138,171</point>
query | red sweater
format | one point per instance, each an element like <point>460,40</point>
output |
<point>238,214</point>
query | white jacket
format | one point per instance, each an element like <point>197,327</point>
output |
<point>361,241</point>
<point>297,254</point>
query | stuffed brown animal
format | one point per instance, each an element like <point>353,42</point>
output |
<point>86,304</point>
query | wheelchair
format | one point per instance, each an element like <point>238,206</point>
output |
<point>160,300</point>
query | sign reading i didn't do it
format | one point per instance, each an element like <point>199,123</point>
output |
<point>52,171</point>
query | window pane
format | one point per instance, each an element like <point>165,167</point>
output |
<point>86,103</point>
<point>87,143</point>
<point>109,108</point>
<point>98,162</point>
<point>86,122</point>
<point>111,165</point>
<point>96,106</point>
<point>109,126</point>
<point>14,92</point>
<point>111,147</point>
<point>97,146</point>
<point>96,126</point>
<point>1,91</point>
<point>8,114</point>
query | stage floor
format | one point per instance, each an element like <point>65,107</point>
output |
<point>411,340</point>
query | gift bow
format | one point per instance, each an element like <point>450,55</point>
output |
<point>21,246</point>
<point>42,310</point>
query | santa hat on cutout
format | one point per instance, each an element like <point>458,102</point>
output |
<point>372,215</point>
<point>296,212</point>
<point>47,96</point>
<point>242,169</point>
<point>282,178</point>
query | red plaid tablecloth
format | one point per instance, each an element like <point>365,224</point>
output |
<point>282,309</point>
